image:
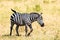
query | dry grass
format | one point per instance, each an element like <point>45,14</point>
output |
<point>51,16</point>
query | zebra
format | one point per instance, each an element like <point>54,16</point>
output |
<point>24,19</point>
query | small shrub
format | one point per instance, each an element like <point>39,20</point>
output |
<point>46,1</point>
<point>37,8</point>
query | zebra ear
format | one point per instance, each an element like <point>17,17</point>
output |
<point>13,10</point>
<point>41,13</point>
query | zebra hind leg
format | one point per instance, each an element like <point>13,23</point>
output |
<point>11,27</point>
<point>17,30</point>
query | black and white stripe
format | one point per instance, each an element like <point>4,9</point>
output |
<point>16,17</point>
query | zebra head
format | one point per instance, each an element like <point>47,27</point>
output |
<point>40,20</point>
<point>37,17</point>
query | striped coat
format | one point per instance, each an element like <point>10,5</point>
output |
<point>16,18</point>
<point>20,19</point>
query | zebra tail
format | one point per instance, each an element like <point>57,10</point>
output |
<point>13,10</point>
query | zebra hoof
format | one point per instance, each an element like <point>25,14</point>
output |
<point>17,35</point>
<point>10,34</point>
<point>28,34</point>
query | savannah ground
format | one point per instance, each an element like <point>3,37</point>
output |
<point>51,17</point>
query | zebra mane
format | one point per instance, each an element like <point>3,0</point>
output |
<point>13,10</point>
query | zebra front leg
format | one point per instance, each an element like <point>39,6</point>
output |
<point>26,30</point>
<point>17,30</point>
<point>31,29</point>
<point>11,27</point>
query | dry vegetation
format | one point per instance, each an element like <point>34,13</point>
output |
<point>51,16</point>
